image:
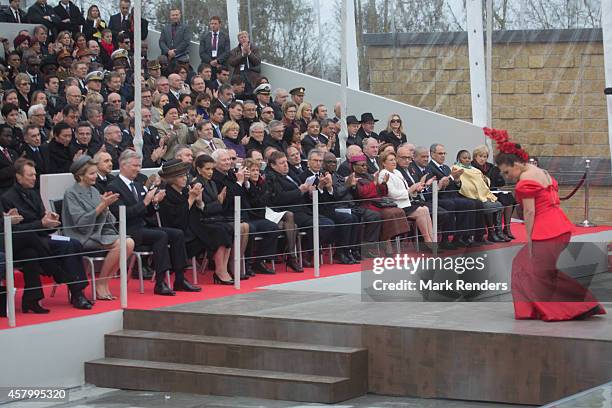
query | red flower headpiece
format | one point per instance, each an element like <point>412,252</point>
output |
<point>504,144</point>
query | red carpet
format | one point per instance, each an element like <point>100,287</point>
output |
<point>60,309</point>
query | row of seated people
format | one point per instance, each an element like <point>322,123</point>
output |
<point>195,203</point>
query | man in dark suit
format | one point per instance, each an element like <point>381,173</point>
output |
<point>120,22</point>
<point>27,200</point>
<point>168,244</point>
<point>7,159</point>
<point>323,181</point>
<point>175,37</point>
<point>367,126</point>
<point>13,14</point>
<point>105,166</point>
<point>370,149</point>
<point>467,218</point>
<point>71,17</point>
<point>294,162</point>
<point>41,13</point>
<point>214,47</point>
<point>312,138</point>
<point>287,191</point>
<point>36,151</point>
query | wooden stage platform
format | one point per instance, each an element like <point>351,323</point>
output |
<point>327,347</point>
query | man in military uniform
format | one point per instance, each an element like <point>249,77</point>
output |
<point>154,72</point>
<point>297,95</point>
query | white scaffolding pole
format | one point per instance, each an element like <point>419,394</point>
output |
<point>343,82</point>
<point>478,83</point>
<point>138,76</point>
<point>352,59</point>
<point>233,23</point>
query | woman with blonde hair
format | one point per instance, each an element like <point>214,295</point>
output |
<point>480,155</point>
<point>94,24</point>
<point>394,133</point>
<point>230,132</point>
<point>159,101</point>
<point>303,115</point>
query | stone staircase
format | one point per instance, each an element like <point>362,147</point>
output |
<point>230,355</point>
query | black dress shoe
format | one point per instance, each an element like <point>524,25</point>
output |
<point>343,259</point>
<point>495,238</point>
<point>293,263</point>
<point>356,254</point>
<point>307,263</point>
<point>185,286</point>
<point>34,307</point>
<point>218,281</point>
<point>261,268</point>
<point>162,289</point>
<point>80,302</point>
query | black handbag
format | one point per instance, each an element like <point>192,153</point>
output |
<point>384,202</point>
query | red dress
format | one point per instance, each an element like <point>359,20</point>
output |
<point>539,289</point>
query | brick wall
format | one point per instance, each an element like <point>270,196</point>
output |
<point>549,95</point>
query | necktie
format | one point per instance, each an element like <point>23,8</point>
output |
<point>218,132</point>
<point>68,8</point>
<point>214,41</point>
<point>7,155</point>
<point>173,30</point>
<point>212,145</point>
<point>133,188</point>
<point>17,16</point>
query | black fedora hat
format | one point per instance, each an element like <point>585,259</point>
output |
<point>352,120</point>
<point>367,117</point>
<point>173,168</point>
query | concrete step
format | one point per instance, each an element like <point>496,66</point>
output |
<point>235,352</point>
<point>201,379</point>
<point>251,327</point>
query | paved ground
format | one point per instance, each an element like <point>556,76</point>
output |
<point>93,397</point>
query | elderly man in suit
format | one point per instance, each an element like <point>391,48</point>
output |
<point>175,37</point>
<point>173,130</point>
<point>104,162</point>
<point>214,46</point>
<point>13,14</point>
<point>71,17</point>
<point>36,150</point>
<point>168,244</point>
<point>206,142</point>
<point>246,61</point>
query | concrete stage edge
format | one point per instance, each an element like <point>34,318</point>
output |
<point>470,351</point>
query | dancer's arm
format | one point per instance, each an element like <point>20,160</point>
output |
<point>529,217</point>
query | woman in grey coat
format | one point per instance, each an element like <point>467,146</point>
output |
<point>86,217</point>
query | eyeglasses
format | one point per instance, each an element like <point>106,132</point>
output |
<point>234,158</point>
<point>396,121</point>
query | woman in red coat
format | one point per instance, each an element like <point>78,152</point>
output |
<point>539,289</point>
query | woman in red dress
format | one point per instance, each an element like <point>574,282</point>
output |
<point>539,289</point>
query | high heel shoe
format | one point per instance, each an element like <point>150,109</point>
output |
<point>218,281</point>
<point>33,307</point>
<point>292,263</point>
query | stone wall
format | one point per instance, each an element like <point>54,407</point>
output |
<point>547,85</point>
<point>547,90</point>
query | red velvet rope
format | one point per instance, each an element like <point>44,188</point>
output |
<point>575,190</point>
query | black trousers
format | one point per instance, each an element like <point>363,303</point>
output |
<point>71,269</point>
<point>370,226</point>
<point>269,232</point>
<point>304,223</point>
<point>346,228</point>
<point>165,258</point>
<point>465,214</point>
<point>446,219</point>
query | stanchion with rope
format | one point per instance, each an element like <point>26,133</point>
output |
<point>586,223</point>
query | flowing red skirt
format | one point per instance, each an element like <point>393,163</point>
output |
<point>541,291</point>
